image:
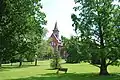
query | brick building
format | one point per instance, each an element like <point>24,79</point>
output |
<point>55,40</point>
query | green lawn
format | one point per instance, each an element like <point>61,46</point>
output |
<point>82,71</point>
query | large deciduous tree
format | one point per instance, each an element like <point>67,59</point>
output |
<point>98,24</point>
<point>20,27</point>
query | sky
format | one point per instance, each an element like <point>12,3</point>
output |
<point>60,11</point>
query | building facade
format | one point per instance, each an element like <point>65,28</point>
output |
<point>56,43</point>
<point>55,40</point>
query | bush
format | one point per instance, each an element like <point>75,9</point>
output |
<point>55,62</point>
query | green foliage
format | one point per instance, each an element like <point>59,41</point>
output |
<point>20,27</point>
<point>55,61</point>
<point>98,25</point>
<point>54,64</point>
<point>72,48</point>
<point>44,51</point>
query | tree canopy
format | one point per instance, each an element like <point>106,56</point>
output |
<point>20,26</point>
<point>98,25</point>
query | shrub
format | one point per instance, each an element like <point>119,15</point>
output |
<point>55,62</point>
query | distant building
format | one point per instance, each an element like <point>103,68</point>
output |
<point>55,41</point>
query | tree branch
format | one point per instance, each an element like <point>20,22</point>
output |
<point>110,62</point>
<point>96,65</point>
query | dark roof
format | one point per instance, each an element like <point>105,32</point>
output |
<point>56,28</point>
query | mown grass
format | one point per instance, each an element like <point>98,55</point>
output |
<point>82,71</point>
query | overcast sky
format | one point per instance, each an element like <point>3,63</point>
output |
<point>60,11</point>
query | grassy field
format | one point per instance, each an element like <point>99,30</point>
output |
<point>82,71</point>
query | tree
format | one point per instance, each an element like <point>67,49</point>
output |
<point>98,26</point>
<point>7,45</point>
<point>20,26</point>
<point>55,62</point>
<point>72,49</point>
<point>45,50</point>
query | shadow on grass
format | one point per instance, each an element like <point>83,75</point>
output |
<point>8,67</point>
<point>72,76</point>
<point>50,69</point>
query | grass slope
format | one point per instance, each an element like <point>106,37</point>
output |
<point>82,71</point>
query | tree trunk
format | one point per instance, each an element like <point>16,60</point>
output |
<point>0,62</point>
<point>20,64</point>
<point>20,61</point>
<point>11,63</point>
<point>35,62</point>
<point>103,68</point>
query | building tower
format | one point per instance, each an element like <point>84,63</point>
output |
<point>56,31</point>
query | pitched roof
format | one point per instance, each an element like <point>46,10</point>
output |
<point>55,37</point>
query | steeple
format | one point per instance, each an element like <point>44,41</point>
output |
<point>56,28</point>
<point>56,31</point>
